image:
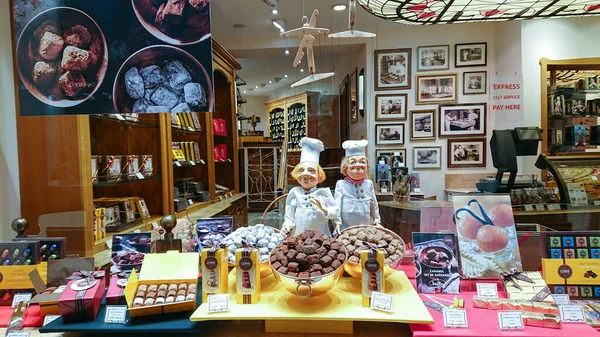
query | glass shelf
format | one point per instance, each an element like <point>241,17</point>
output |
<point>155,175</point>
<point>570,116</point>
<point>107,121</point>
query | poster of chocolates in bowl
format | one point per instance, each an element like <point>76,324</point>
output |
<point>113,56</point>
<point>487,237</point>
<point>128,251</point>
<point>212,230</point>
<point>436,263</point>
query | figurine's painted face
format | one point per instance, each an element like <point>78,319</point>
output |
<point>357,167</point>
<point>308,175</point>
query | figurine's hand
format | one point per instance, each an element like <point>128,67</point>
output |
<point>317,203</point>
<point>336,231</point>
<point>286,230</point>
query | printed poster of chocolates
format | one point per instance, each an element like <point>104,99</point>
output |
<point>113,56</point>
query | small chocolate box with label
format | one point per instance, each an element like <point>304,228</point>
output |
<point>132,166</point>
<point>112,168</point>
<point>373,277</point>
<point>214,271</point>
<point>50,248</point>
<point>20,253</point>
<point>248,275</point>
<point>146,167</point>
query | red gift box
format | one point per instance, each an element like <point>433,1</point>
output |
<point>223,150</point>
<point>81,299</point>
<point>216,127</point>
<point>217,153</point>
<point>116,291</point>
<point>222,127</point>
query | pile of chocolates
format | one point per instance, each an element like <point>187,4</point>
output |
<point>435,258</point>
<point>262,237</point>
<point>153,294</point>
<point>129,259</point>
<point>355,238</point>
<point>310,254</point>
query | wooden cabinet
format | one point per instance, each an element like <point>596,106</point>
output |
<point>56,171</point>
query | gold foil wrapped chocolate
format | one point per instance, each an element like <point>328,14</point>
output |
<point>509,304</point>
<point>525,286</point>
<point>541,320</point>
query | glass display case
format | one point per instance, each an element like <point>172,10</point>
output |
<point>577,178</point>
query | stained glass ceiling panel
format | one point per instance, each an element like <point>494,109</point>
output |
<point>429,12</point>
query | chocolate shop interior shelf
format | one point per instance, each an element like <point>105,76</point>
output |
<point>64,167</point>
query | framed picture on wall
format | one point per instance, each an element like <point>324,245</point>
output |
<point>462,120</point>
<point>353,96</point>
<point>427,157</point>
<point>394,157</point>
<point>393,69</point>
<point>433,58</point>
<point>470,54</point>
<point>422,124</point>
<point>391,107</point>
<point>467,152</point>
<point>389,134</point>
<point>440,88</point>
<point>474,82</point>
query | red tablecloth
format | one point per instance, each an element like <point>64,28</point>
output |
<point>32,318</point>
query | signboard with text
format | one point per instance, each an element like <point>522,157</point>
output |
<point>506,93</point>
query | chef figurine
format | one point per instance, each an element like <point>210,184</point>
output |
<point>355,195</point>
<point>309,207</point>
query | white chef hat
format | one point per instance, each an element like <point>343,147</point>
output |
<point>311,149</point>
<point>355,147</point>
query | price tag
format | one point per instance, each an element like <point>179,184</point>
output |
<point>137,231</point>
<point>155,225</point>
<point>190,202</point>
<point>202,162</point>
<point>594,178</point>
<point>139,176</point>
<point>381,301</point>
<point>50,318</point>
<point>22,297</point>
<point>596,202</point>
<point>190,128</point>
<point>488,290</point>
<point>572,314</point>
<point>455,318</point>
<point>218,303</point>
<point>193,163</point>
<point>178,164</point>
<point>553,207</point>
<point>510,320</point>
<point>115,314</point>
<point>417,190</point>
<point>109,243</point>
<point>539,208</point>
<point>561,299</point>
<point>229,160</point>
<point>18,334</point>
<point>529,208</point>
<point>119,117</point>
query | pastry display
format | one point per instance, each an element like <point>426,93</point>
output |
<point>154,294</point>
<point>354,238</point>
<point>310,254</point>
<point>263,237</point>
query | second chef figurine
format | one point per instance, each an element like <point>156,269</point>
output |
<point>355,195</point>
<point>309,207</point>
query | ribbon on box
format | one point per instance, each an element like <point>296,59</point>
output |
<point>216,245</point>
<point>89,276</point>
<point>143,163</point>
<point>513,276</point>
<point>373,248</point>
<point>249,247</point>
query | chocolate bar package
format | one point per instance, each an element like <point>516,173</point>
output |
<point>248,275</point>
<point>215,271</point>
<point>373,277</point>
<point>436,263</point>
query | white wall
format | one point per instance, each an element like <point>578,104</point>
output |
<point>256,106</point>
<point>10,205</point>
<point>432,181</point>
<point>555,40</point>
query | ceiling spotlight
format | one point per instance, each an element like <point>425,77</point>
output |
<point>287,52</point>
<point>339,7</point>
<point>279,24</point>
<point>256,86</point>
<point>244,91</point>
<point>270,81</point>
<point>285,75</point>
<point>275,11</point>
<point>302,70</point>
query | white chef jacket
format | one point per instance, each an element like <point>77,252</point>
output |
<point>357,204</point>
<point>303,214</point>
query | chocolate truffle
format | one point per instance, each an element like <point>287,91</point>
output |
<point>153,287</point>
<point>138,302</point>
<point>78,36</point>
<point>43,73</point>
<point>180,298</point>
<point>72,84</point>
<point>149,301</point>
<point>51,45</point>
<point>170,299</point>
<point>160,300</point>
<point>76,59</point>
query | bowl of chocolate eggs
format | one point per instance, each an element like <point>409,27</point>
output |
<point>353,238</point>
<point>264,238</point>
<point>309,264</point>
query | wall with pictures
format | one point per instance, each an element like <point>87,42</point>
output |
<point>554,40</point>
<point>432,179</point>
<point>10,203</point>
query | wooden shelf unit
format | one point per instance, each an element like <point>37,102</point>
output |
<point>56,175</point>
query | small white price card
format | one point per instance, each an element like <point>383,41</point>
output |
<point>119,117</point>
<point>553,207</point>
<point>109,243</point>
<point>202,162</point>
<point>489,290</point>
<point>596,202</point>
<point>137,231</point>
<point>539,208</point>
<point>218,303</point>
<point>561,299</point>
<point>115,314</point>
<point>529,208</point>
<point>455,318</point>
<point>190,202</point>
<point>50,318</point>
<point>18,334</point>
<point>572,314</point>
<point>139,176</point>
<point>190,128</point>
<point>510,320</point>
<point>229,160</point>
<point>155,225</point>
<point>178,164</point>
<point>21,297</point>
<point>193,163</point>
<point>381,301</point>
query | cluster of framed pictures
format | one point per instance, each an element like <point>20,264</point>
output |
<point>455,120</point>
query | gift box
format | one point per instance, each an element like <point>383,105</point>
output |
<point>214,271</point>
<point>157,269</point>
<point>81,299</point>
<point>216,126</point>
<point>248,275</point>
<point>217,153</point>
<point>528,286</point>
<point>373,278</point>
<point>196,121</point>
<point>511,305</point>
<point>146,165</point>
<point>132,166</point>
<point>223,150</point>
<point>112,168</point>
<point>115,295</point>
<point>541,320</point>
<point>95,168</point>
<point>222,127</point>
<point>50,248</point>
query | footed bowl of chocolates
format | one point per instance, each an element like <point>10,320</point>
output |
<point>264,238</point>
<point>175,22</point>
<point>160,79</point>
<point>63,57</point>
<point>309,264</point>
<point>128,261</point>
<point>353,238</point>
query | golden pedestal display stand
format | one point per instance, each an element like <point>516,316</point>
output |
<point>333,312</point>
